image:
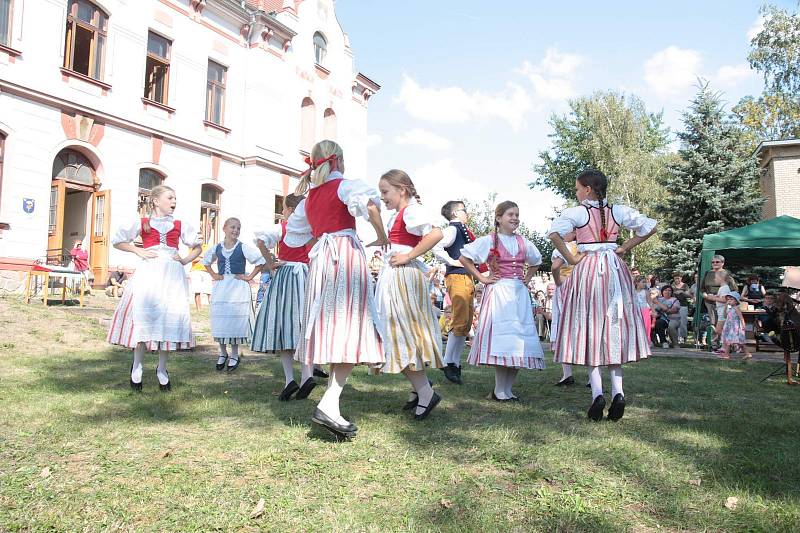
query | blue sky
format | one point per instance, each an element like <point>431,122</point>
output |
<point>468,86</point>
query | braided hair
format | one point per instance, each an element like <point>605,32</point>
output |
<point>401,180</point>
<point>499,211</point>
<point>330,157</point>
<point>598,182</point>
<point>155,192</point>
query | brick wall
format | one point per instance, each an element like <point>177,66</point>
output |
<point>787,185</point>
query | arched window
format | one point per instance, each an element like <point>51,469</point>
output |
<point>307,124</point>
<point>73,166</point>
<point>329,124</point>
<point>209,213</point>
<point>5,22</point>
<point>320,48</point>
<point>148,178</point>
<point>86,37</point>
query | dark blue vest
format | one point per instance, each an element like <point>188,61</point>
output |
<point>454,250</point>
<point>237,260</point>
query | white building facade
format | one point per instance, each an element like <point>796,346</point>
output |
<point>219,99</point>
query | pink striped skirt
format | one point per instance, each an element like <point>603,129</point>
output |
<point>340,323</point>
<point>600,323</point>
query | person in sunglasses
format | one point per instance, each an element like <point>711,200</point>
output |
<point>711,286</point>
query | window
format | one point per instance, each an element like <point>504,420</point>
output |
<point>307,124</point>
<point>2,153</point>
<point>329,124</point>
<point>320,48</point>
<point>148,178</point>
<point>278,208</point>
<point>86,39</point>
<point>209,213</point>
<point>215,93</point>
<point>73,166</point>
<point>52,222</point>
<point>156,80</point>
<point>5,22</point>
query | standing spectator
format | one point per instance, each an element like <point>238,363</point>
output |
<point>116,283</point>
<point>669,317</point>
<point>437,294</point>
<point>682,292</point>
<point>80,263</point>
<point>711,287</point>
<point>724,281</point>
<point>645,304</point>
<point>200,281</point>
<point>376,264</point>
<point>754,291</point>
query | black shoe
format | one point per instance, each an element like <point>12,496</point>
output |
<point>514,399</point>
<point>235,364</point>
<point>596,410</point>
<point>411,404</point>
<point>617,408</point>
<point>288,391</point>
<point>306,389</point>
<point>451,373</point>
<point>566,382</point>
<point>588,385</point>
<point>135,386</point>
<point>221,366</point>
<point>334,427</point>
<point>495,398</point>
<point>433,403</point>
<point>167,386</point>
<point>320,373</point>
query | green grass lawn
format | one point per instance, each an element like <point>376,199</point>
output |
<point>80,451</point>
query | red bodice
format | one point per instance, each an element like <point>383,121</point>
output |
<point>326,213</point>
<point>154,237</point>
<point>287,253</point>
<point>398,234</point>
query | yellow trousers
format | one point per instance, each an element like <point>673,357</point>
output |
<point>461,289</point>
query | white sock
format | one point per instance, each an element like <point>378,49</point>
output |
<point>288,369</point>
<point>424,390</point>
<point>223,353</point>
<point>329,404</point>
<point>234,355</point>
<point>500,382</point>
<point>138,360</point>
<point>306,371</point>
<point>161,370</point>
<point>566,371</point>
<point>511,377</point>
<point>615,371</point>
<point>596,381</point>
<point>452,352</point>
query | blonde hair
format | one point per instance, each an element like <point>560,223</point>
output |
<point>231,219</point>
<point>400,180</point>
<point>155,192</point>
<point>316,175</point>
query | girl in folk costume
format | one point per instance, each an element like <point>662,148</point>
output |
<point>506,335</point>
<point>561,270</point>
<point>279,317</point>
<point>412,339</point>
<point>153,313</point>
<point>340,324</point>
<point>231,297</point>
<point>600,322</point>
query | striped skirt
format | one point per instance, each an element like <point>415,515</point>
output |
<point>411,335</point>
<point>506,333</point>
<point>340,323</point>
<point>231,311</point>
<point>281,311</point>
<point>154,309</point>
<point>600,323</point>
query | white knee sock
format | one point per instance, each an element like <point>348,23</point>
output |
<point>596,381</point>
<point>161,371</point>
<point>452,352</point>
<point>306,372</point>
<point>234,358</point>
<point>566,371</point>
<point>511,377</point>
<point>288,369</point>
<point>424,390</point>
<point>138,360</point>
<point>329,404</point>
<point>223,353</point>
<point>500,382</point>
<point>615,371</point>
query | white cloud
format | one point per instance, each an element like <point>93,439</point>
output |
<point>673,70</point>
<point>553,77</point>
<point>756,28</point>
<point>440,181</point>
<point>730,75</point>
<point>373,139</point>
<point>454,105</point>
<point>424,138</point>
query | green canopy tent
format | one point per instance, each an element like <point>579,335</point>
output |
<point>774,242</point>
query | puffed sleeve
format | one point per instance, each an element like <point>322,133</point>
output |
<point>478,250</point>
<point>630,218</point>
<point>253,255</point>
<point>356,195</point>
<point>533,256</point>
<point>209,255</point>
<point>127,232</point>
<point>417,220</point>
<point>568,220</point>
<point>189,235</point>
<point>271,236</point>
<point>298,229</point>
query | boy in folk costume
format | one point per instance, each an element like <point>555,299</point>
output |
<point>412,339</point>
<point>600,322</point>
<point>153,313</point>
<point>459,283</point>
<point>231,298</point>
<point>340,324</point>
<point>280,315</point>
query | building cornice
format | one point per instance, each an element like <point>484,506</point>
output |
<point>764,145</point>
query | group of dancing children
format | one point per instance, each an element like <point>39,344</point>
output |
<point>323,308</point>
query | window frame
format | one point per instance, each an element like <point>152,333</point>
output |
<point>73,23</point>
<point>205,209</point>
<point>213,86</point>
<point>2,159</point>
<point>320,60</point>
<point>5,40</point>
<point>164,62</point>
<point>145,193</point>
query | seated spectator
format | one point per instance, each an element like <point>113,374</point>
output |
<point>437,293</point>
<point>117,279</point>
<point>669,317</point>
<point>753,291</point>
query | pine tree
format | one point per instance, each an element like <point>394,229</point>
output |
<point>712,186</point>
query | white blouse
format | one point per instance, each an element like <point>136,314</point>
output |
<point>478,250</point>
<point>417,221</point>
<point>355,194</point>
<point>626,217</point>
<point>251,254</point>
<point>131,230</point>
<point>271,236</point>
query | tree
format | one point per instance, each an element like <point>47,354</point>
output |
<point>711,187</point>
<point>775,52</point>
